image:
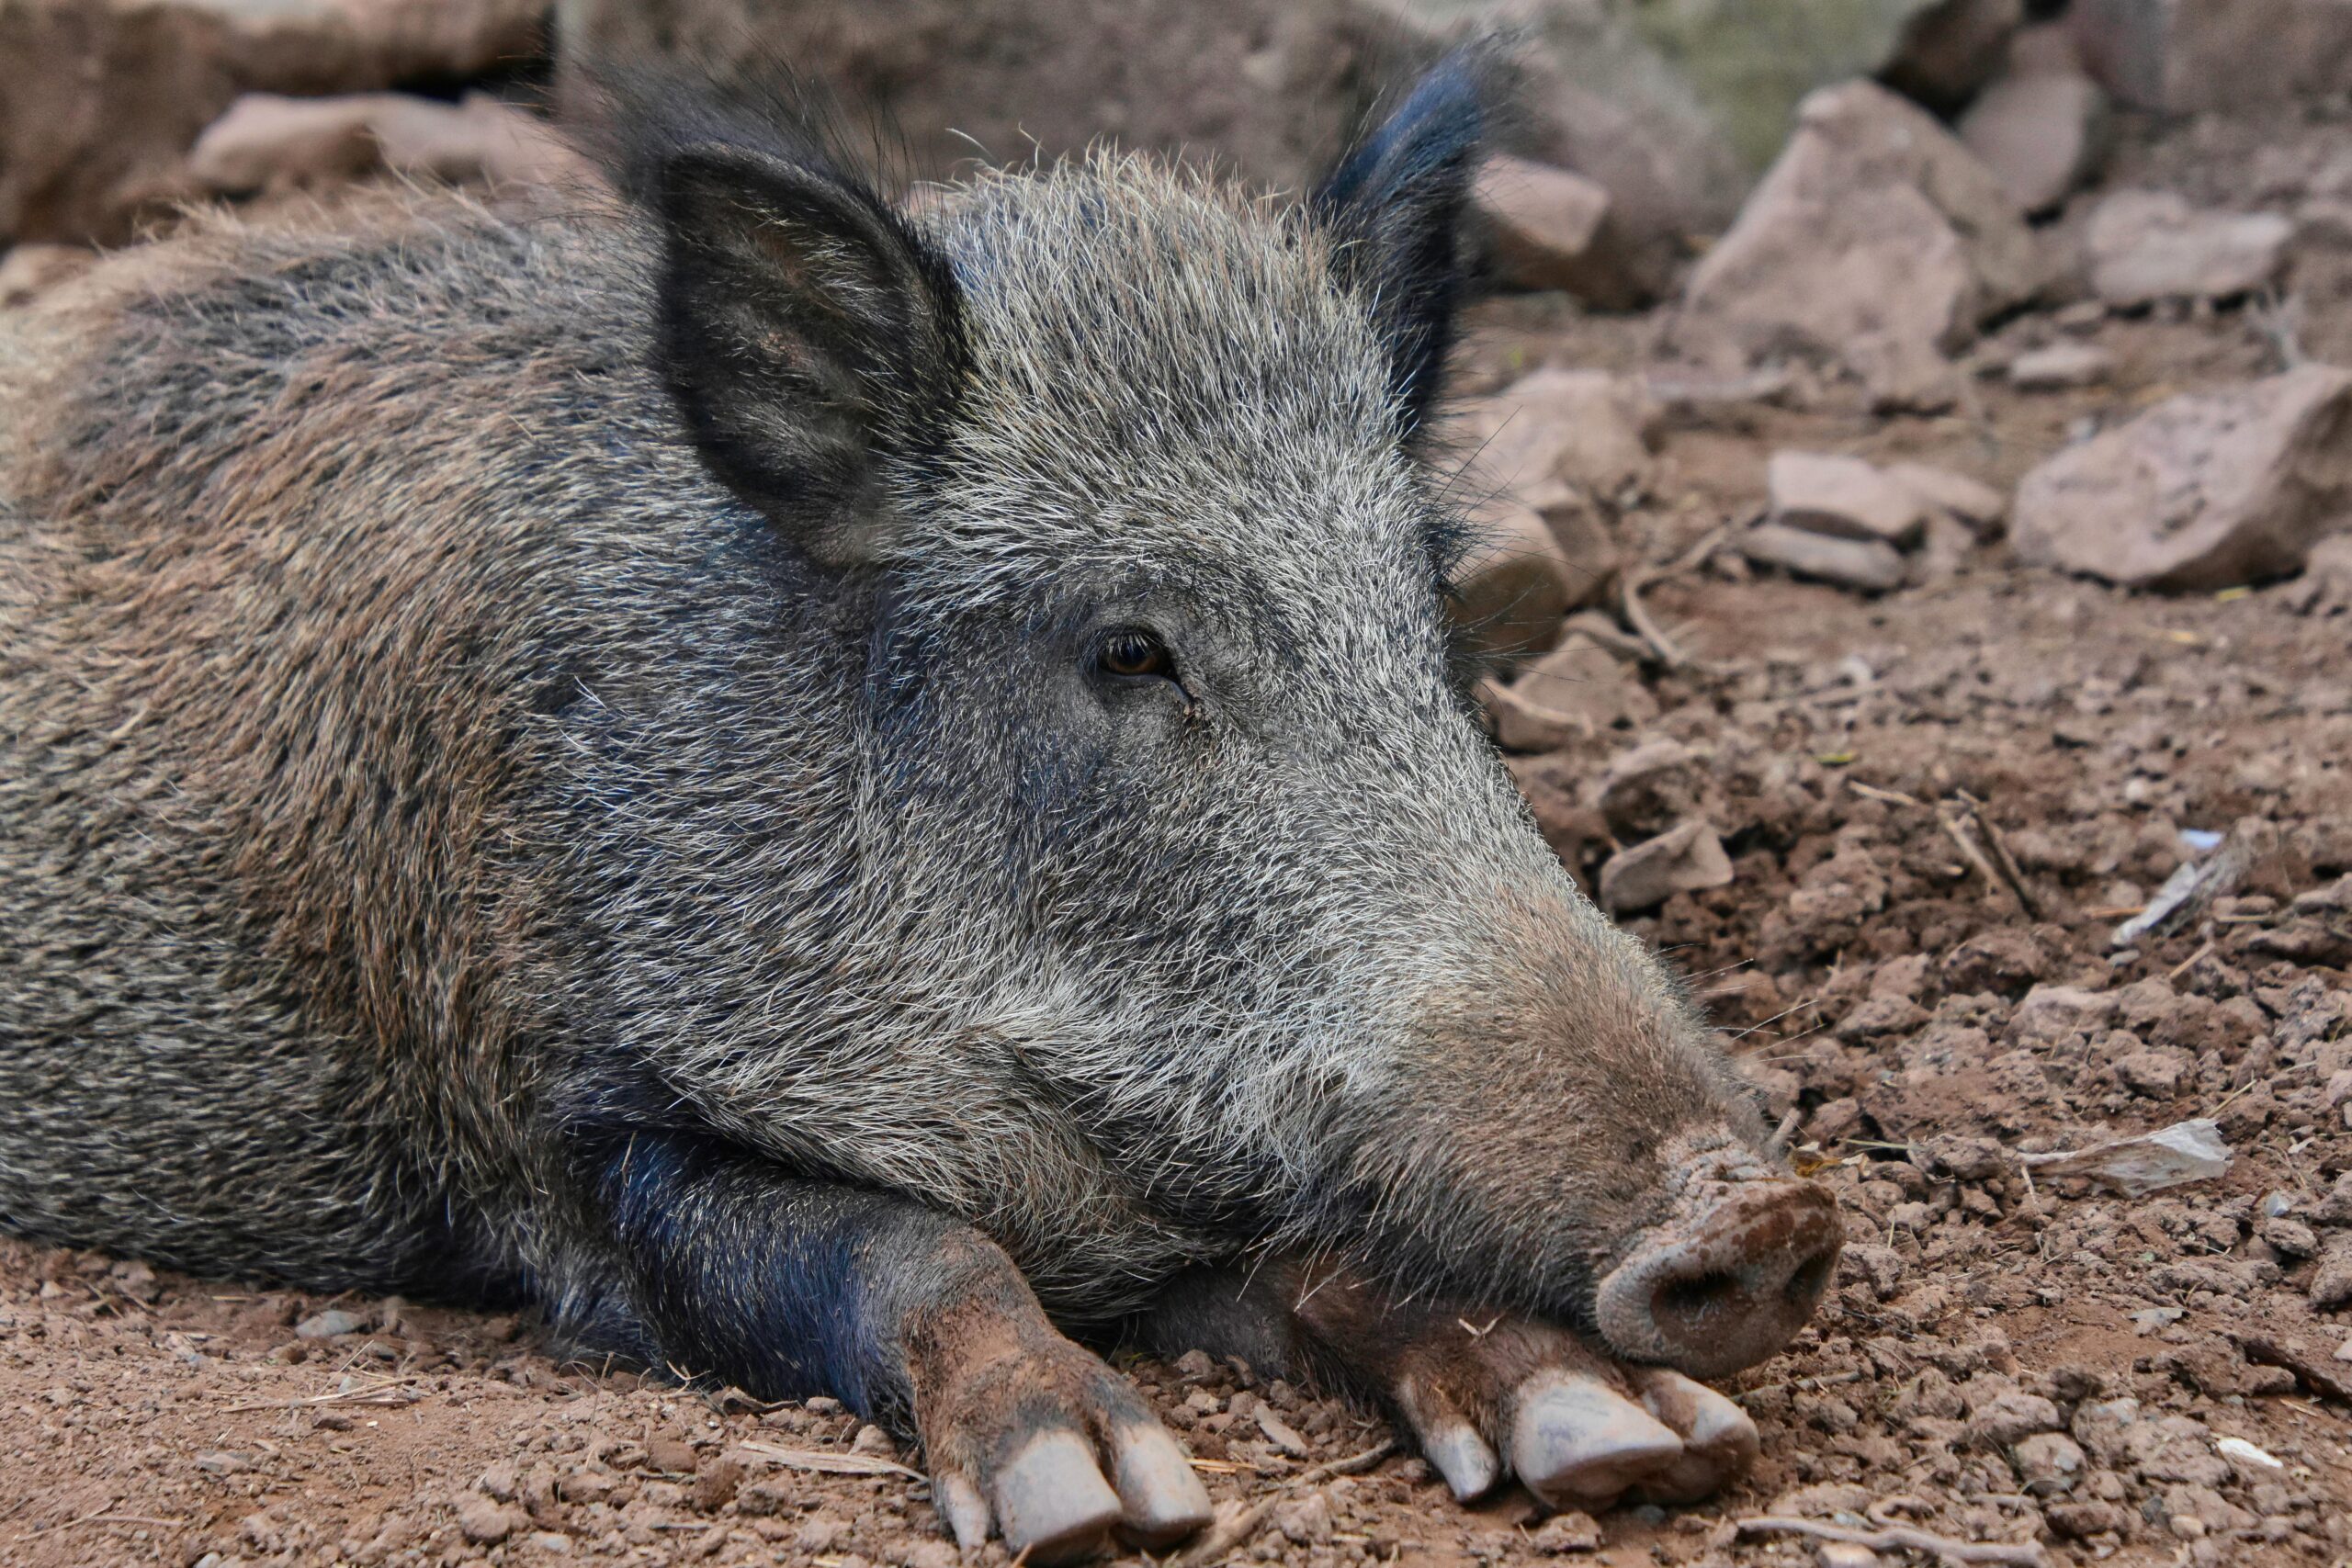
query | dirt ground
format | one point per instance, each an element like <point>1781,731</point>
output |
<point>1872,977</point>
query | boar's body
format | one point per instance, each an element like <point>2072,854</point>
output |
<point>715,766</point>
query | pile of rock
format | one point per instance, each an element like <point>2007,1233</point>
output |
<point>1846,520</point>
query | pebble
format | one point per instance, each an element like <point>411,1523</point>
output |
<point>1847,498</point>
<point>486,1522</point>
<point>1868,565</point>
<point>1570,1531</point>
<point>2146,245</point>
<point>2061,367</point>
<point>1681,860</point>
<point>328,1325</point>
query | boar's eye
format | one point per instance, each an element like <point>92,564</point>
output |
<point>1133,654</point>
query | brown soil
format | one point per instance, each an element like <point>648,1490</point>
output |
<point>1875,975</point>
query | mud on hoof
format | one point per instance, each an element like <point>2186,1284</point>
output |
<point>1577,1430</point>
<point>1058,1452</point>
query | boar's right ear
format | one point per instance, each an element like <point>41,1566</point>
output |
<point>809,335</point>
<point>1395,205</point>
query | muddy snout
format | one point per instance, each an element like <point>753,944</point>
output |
<point>1728,1285</point>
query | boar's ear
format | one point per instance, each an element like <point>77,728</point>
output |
<point>810,336</point>
<point>1394,204</point>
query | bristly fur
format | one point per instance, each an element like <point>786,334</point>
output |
<point>430,758</point>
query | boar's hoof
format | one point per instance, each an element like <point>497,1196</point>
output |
<point>1577,1430</point>
<point>1578,1442</point>
<point>1052,1502</point>
<point>1727,1287</point>
<point>1059,1451</point>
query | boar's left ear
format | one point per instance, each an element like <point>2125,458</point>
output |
<point>1395,203</point>
<point>810,335</point>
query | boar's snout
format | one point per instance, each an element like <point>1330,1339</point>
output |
<point>1729,1283</point>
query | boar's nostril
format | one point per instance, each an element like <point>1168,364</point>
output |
<point>1697,1298</point>
<point>1724,1289</point>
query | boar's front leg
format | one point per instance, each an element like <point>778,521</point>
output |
<point>789,1287</point>
<point>1484,1396</point>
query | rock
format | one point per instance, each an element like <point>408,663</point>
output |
<point>1973,503</point>
<point>1681,860</point>
<point>2330,1284</point>
<point>1516,585</point>
<point>669,1454</point>
<point>1877,243</point>
<point>1648,790</point>
<point>2140,246</point>
<point>1545,228</point>
<point>269,143</point>
<point>485,1522</point>
<point>1864,564</point>
<point>1951,50</point>
<point>2076,1522</point>
<point>1845,1554</point>
<point>2010,1416</point>
<point>1577,691</point>
<point>2189,55</point>
<point>1570,1531</point>
<point>2043,135</point>
<point>2050,1463</point>
<point>1556,436</point>
<point>1843,497</point>
<point>2060,366</point>
<point>328,1325</point>
<point>104,99</point>
<point>2155,1074</point>
<point>1306,1521</point>
<point>30,270</point>
<point>2205,490</point>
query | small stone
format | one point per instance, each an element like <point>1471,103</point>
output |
<point>553,1542</point>
<point>822,1404</point>
<point>2076,1521</point>
<point>763,1498</point>
<point>671,1454</point>
<point>2146,245</point>
<point>2290,1237</point>
<point>1306,1521</point>
<point>872,1440</point>
<point>1681,860</point>
<point>1512,592</point>
<point>2156,1074</point>
<point>1863,564</point>
<point>2042,134</point>
<point>27,271</point>
<point>715,1484</point>
<point>328,1325</point>
<point>2331,1285</point>
<point>2011,1417</point>
<point>499,1482</point>
<point>2050,1463</point>
<point>1555,435</point>
<point>1547,228</point>
<point>1844,497</point>
<point>1578,690</point>
<point>1973,502</point>
<point>1568,1533</point>
<point>486,1522</point>
<point>1843,1554</point>
<point>2061,367</point>
<point>1194,1366</point>
<point>2205,491</point>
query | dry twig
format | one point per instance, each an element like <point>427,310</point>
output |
<point>1903,1538</point>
